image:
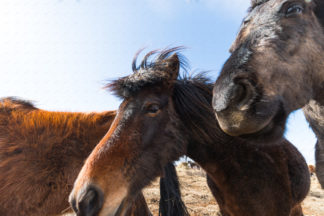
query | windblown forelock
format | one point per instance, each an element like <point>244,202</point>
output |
<point>127,86</point>
<point>148,73</point>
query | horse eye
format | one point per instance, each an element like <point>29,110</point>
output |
<point>294,9</point>
<point>153,108</point>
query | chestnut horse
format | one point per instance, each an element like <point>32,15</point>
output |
<point>162,118</point>
<point>276,67</point>
<point>41,153</point>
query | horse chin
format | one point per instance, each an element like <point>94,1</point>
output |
<point>272,131</point>
<point>264,126</point>
<point>237,123</point>
<point>112,211</point>
<point>123,207</point>
<point>269,134</point>
<point>117,206</point>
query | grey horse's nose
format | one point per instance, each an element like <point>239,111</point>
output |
<point>89,202</point>
<point>235,96</point>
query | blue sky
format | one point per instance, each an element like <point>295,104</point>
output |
<point>59,53</point>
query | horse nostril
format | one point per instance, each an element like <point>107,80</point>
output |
<point>90,202</point>
<point>74,207</point>
<point>238,95</point>
<point>243,94</point>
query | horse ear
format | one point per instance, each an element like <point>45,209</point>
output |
<point>173,67</point>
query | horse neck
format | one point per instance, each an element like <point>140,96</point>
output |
<point>87,129</point>
<point>210,154</point>
<point>318,79</point>
<point>216,156</point>
<point>53,133</point>
<point>99,126</point>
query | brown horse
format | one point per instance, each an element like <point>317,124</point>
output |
<point>162,118</point>
<point>41,153</point>
<point>276,67</point>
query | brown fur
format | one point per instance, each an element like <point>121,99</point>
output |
<point>276,67</point>
<point>41,153</point>
<point>170,118</point>
<point>311,169</point>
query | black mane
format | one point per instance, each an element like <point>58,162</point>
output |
<point>319,11</point>
<point>148,73</point>
<point>16,103</point>
<point>192,99</point>
<point>170,200</point>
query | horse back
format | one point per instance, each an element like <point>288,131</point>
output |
<point>41,153</point>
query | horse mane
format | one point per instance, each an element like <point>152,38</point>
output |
<point>34,121</point>
<point>255,3</point>
<point>16,103</point>
<point>148,73</point>
<point>319,11</point>
<point>171,203</point>
<point>192,98</point>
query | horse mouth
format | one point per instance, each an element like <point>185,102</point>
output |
<point>238,123</point>
<point>272,130</point>
<point>261,122</point>
<point>120,210</point>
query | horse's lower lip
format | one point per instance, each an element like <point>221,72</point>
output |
<point>115,212</point>
<point>243,127</point>
<point>232,133</point>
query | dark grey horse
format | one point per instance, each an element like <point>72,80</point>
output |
<point>276,67</point>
